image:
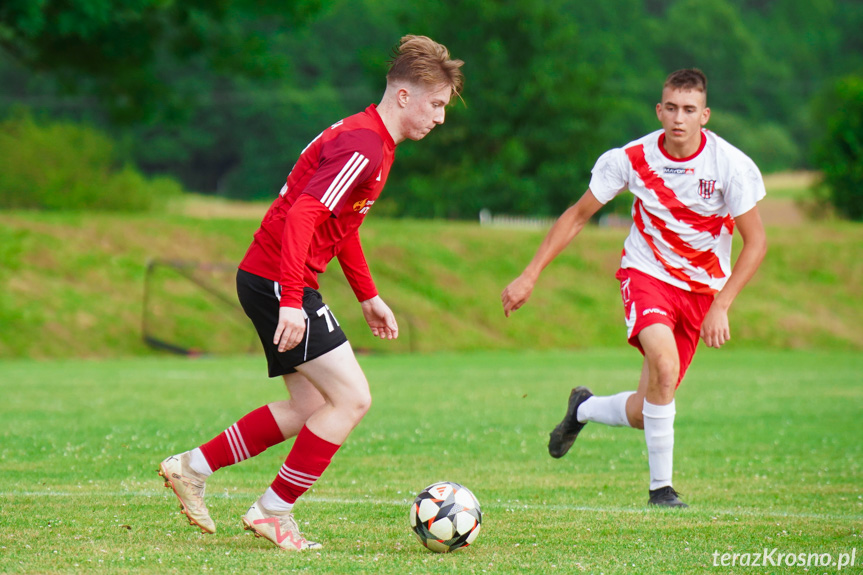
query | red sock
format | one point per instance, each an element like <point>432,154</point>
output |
<point>308,459</point>
<point>254,433</point>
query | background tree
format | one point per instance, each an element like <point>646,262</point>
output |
<point>112,48</point>
<point>224,94</point>
<point>182,84</point>
<point>839,151</point>
<point>526,133</point>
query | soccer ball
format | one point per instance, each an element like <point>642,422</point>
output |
<point>445,516</point>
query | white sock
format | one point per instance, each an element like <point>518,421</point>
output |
<point>608,409</point>
<point>659,435</point>
<point>198,462</point>
<point>272,502</point>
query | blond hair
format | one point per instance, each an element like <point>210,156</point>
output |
<point>421,60</point>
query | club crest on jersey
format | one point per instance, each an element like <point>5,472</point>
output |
<point>363,206</point>
<point>680,171</point>
<point>706,188</point>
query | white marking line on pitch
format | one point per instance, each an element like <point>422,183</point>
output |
<point>497,505</point>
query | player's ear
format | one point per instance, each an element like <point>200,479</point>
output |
<point>705,116</point>
<point>403,96</point>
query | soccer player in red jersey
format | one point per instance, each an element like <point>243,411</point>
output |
<point>335,182</point>
<point>691,190</point>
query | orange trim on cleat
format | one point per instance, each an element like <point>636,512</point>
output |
<point>189,488</point>
<point>279,528</point>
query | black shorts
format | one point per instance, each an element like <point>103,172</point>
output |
<point>260,300</point>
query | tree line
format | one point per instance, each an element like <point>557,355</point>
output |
<point>224,94</point>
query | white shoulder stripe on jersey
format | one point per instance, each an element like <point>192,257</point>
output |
<point>347,184</point>
<point>335,184</point>
<point>344,180</point>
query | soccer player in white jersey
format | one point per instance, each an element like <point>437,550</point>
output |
<point>691,188</point>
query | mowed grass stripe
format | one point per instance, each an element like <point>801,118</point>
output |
<point>404,503</point>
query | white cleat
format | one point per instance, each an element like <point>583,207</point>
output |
<point>280,528</point>
<point>188,486</point>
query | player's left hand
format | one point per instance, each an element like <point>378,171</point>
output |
<point>516,294</point>
<point>714,330</point>
<point>380,318</point>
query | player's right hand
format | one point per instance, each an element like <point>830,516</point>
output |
<point>516,294</point>
<point>290,329</point>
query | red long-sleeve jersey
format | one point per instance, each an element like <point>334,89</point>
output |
<point>318,212</point>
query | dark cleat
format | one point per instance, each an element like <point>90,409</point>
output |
<point>564,434</point>
<point>665,497</point>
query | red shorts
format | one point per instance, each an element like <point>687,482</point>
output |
<point>647,300</point>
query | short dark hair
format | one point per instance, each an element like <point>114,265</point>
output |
<point>419,59</point>
<point>687,79</point>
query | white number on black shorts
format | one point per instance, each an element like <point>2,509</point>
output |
<point>327,314</point>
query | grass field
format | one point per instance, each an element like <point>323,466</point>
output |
<point>768,454</point>
<point>443,280</point>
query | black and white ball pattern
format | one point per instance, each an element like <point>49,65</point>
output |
<point>445,516</point>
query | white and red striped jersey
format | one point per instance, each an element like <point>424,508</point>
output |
<point>318,212</point>
<point>683,209</point>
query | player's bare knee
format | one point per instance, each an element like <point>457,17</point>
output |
<point>355,405</point>
<point>359,406</point>
<point>364,404</point>
<point>667,368</point>
<point>665,380</point>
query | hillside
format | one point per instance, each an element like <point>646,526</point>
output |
<point>72,285</point>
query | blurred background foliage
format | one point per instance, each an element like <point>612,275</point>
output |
<point>69,166</point>
<point>222,95</point>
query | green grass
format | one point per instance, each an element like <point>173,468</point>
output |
<point>791,185</point>
<point>768,454</point>
<point>72,285</point>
